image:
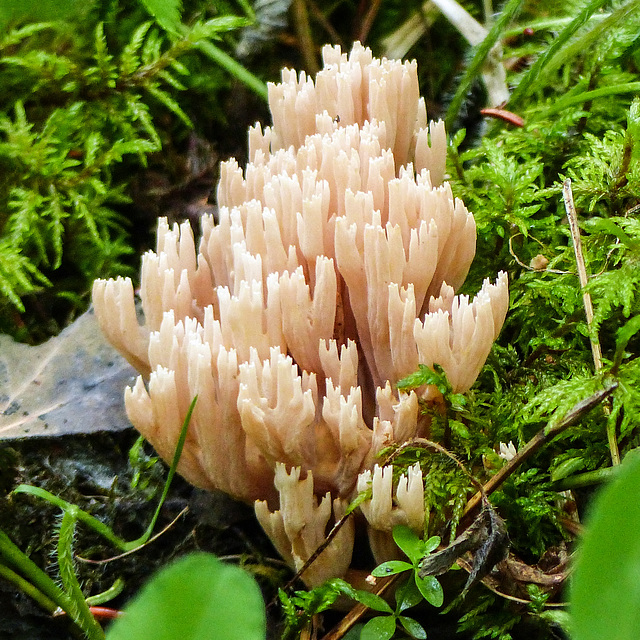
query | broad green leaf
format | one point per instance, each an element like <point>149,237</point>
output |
<point>407,595</point>
<point>605,594</point>
<point>380,628</point>
<point>431,590</point>
<point>432,544</point>
<point>197,598</point>
<point>413,628</point>
<point>372,601</point>
<point>409,542</point>
<point>390,568</point>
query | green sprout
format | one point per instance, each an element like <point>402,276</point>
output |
<point>411,592</point>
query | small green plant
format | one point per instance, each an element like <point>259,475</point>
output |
<point>384,627</point>
<point>416,550</point>
<point>300,607</point>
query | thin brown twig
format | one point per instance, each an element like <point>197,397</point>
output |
<point>312,558</point>
<point>541,438</point>
<point>367,22</point>
<point>572,215</point>
<point>570,207</point>
<point>305,38</point>
<point>319,17</point>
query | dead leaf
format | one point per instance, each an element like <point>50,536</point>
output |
<point>494,546</point>
<point>73,383</point>
<point>487,538</point>
<point>469,540</point>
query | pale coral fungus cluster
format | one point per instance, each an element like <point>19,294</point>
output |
<point>328,276</point>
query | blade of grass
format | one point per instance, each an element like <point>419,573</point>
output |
<point>558,54</point>
<point>172,471</point>
<point>587,96</point>
<point>529,82</point>
<point>233,67</point>
<point>510,9</point>
<point>28,588</point>
<point>80,612</point>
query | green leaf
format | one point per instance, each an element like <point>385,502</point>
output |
<point>198,597</point>
<point>606,225</point>
<point>508,12</point>
<point>167,13</point>
<point>390,568</point>
<point>413,628</point>
<point>233,67</point>
<point>359,499</point>
<point>372,601</point>
<point>530,79</point>
<point>129,60</point>
<point>460,429</point>
<point>605,592</point>
<point>407,595</point>
<point>380,628</point>
<point>431,590</point>
<point>432,544</point>
<point>409,542</point>
<point>18,275</point>
<point>225,23</point>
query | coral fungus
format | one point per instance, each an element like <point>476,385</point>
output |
<point>328,276</point>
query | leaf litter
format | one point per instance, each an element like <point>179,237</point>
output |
<point>71,384</point>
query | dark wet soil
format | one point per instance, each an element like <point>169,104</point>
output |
<point>95,473</point>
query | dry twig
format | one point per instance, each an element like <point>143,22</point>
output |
<point>570,207</point>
